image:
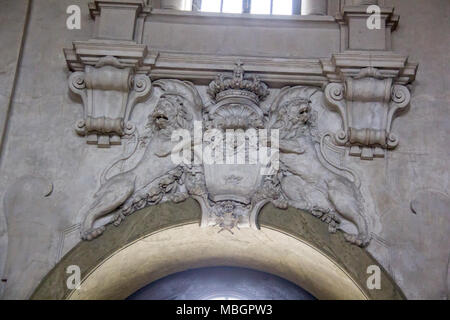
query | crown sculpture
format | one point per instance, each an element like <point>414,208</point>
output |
<point>236,100</point>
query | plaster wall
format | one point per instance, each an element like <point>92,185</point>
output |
<point>47,171</point>
<point>291,36</point>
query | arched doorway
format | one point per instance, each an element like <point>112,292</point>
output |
<point>165,239</point>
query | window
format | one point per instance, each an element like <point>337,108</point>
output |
<point>211,6</point>
<point>276,7</point>
<point>232,6</point>
<point>186,5</point>
<point>281,7</point>
<point>261,7</point>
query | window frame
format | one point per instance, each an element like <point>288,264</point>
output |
<point>246,6</point>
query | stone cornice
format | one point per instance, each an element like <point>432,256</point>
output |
<point>200,69</point>
<point>277,72</point>
<point>94,7</point>
<point>90,52</point>
<point>389,64</point>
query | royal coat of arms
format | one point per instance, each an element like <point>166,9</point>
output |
<point>233,153</point>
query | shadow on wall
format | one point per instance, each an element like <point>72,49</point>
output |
<point>221,283</point>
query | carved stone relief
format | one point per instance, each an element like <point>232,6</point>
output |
<point>231,195</point>
<point>155,177</point>
<point>109,92</point>
<point>108,70</point>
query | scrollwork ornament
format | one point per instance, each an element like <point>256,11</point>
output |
<point>141,83</point>
<point>129,128</point>
<point>392,141</point>
<point>400,95</point>
<point>78,81</point>
<point>367,104</point>
<point>341,137</point>
<point>80,127</point>
<point>337,92</point>
<point>113,90</point>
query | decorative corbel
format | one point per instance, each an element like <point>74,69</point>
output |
<point>109,70</point>
<point>367,104</point>
<point>367,81</point>
<point>109,92</point>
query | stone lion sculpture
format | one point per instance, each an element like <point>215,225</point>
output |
<point>306,180</point>
<point>154,174</point>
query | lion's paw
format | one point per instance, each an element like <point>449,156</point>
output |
<point>178,197</point>
<point>359,240</point>
<point>92,233</point>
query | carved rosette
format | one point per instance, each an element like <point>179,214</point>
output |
<point>109,92</point>
<point>367,104</point>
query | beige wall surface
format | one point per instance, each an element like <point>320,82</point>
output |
<point>47,172</point>
<point>12,28</point>
<point>418,172</point>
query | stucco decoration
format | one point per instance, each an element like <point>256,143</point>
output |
<point>367,103</point>
<point>155,177</point>
<point>109,92</point>
<point>309,180</point>
<point>231,195</point>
